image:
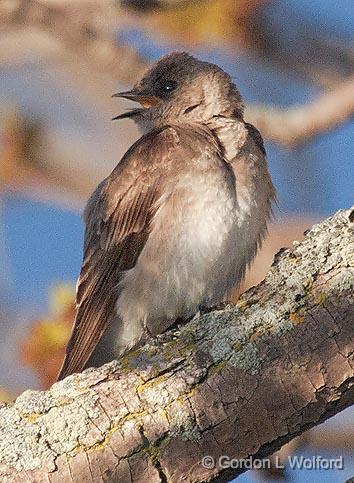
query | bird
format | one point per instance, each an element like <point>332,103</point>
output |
<point>174,226</point>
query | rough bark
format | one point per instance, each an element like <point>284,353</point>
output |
<point>238,381</point>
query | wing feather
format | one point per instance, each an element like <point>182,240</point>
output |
<point>117,217</point>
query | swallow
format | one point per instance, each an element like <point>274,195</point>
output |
<point>175,225</point>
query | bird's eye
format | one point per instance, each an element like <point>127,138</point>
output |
<point>169,86</point>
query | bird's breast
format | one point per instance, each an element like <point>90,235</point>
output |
<point>196,250</point>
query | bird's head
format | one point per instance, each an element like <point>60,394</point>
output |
<point>182,89</point>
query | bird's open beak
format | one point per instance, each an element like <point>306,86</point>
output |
<point>144,100</point>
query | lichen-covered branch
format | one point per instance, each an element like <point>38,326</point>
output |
<point>238,381</point>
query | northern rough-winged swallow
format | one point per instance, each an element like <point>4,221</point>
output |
<point>176,223</point>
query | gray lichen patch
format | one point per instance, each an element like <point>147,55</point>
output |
<point>220,349</point>
<point>38,427</point>
<point>247,358</point>
<point>37,402</point>
<point>343,280</point>
<point>182,425</point>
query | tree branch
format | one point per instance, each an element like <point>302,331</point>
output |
<point>295,126</point>
<point>238,381</point>
<point>89,32</point>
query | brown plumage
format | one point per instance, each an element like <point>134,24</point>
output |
<point>162,225</point>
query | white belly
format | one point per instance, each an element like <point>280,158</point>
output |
<point>196,252</point>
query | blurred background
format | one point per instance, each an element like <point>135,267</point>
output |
<point>60,61</point>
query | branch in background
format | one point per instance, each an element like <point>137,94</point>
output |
<point>86,27</point>
<point>148,5</point>
<point>239,381</point>
<point>87,32</point>
<point>298,125</point>
<point>27,164</point>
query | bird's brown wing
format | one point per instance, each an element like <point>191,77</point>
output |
<point>256,136</point>
<point>117,219</point>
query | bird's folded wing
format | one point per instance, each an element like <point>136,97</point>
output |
<point>118,217</point>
